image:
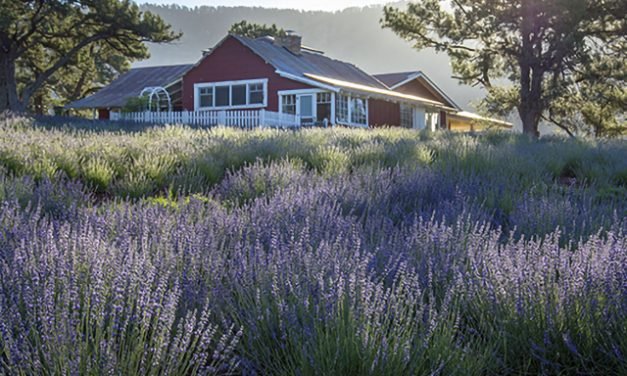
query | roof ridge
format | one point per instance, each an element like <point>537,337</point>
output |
<point>310,65</point>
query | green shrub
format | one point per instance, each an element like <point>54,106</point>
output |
<point>97,173</point>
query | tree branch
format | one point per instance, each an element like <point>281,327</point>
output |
<point>35,21</point>
<point>44,76</point>
<point>559,125</point>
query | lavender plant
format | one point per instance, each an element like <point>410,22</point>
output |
<point>183,251</point>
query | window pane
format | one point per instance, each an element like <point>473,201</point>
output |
<point>256,98</point>
<point>206,97</point>
<point>256,93</point>
<point>306,106</point>
<point>358,111</point>
<point>341,108</point>
<point>407,115</point>
<point>222,96</point>
<point>239,95</point>
<point>206,101</point>
<point>288,104</point>
<point>324,98</point>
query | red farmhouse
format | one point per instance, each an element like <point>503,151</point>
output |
<point>281,75</point>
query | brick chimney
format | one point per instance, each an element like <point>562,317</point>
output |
<point>289,40</point>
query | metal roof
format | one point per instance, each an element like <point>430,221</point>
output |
<point>307,62</point>
<point>392,79</point>
<point>396,80</point>
<point>377,92</point>
<point>130,84</point>
<point>309,66</point>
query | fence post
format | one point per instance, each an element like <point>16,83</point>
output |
<point>262,117</point>
<point>222,118</point>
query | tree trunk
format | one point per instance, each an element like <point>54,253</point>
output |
<point>530,119</point>
<point>38,103</point>
<point>8,86</point>
<point>531,107</point>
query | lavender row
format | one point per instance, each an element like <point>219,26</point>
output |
<point>278,269</point>
<point>112,161</point>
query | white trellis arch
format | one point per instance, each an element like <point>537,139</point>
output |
<point>156,92</point>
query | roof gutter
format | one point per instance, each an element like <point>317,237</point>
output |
<point>475,117</point>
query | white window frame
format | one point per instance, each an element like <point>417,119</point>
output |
<point>263,92</point>
<point>281,104</point>
<point>407,115</point>
<point>432,119</point>
<point>299,92</point>
<point>352,106</point>
<point>230,84</point>
<point>350,111</point>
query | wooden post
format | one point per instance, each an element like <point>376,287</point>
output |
<point>333,117</point>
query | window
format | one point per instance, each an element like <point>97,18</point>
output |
<point>324,98</point>
<point>358,111</point>
<point>407,115</point>
<point>255,93</point>
<point>231,94</point>
<point>288,104</point>
<point>222,96</point>
<point>433,120</point>
<point>323,106</point>
<point>351,110</point>
<point>341,108</point>
<point>238,95</point>
<point>206,97</point>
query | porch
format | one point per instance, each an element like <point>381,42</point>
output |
<point>357,108</point>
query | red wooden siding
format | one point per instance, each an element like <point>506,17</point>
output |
<point>418,88</point>
<point>232,61</point>
<point>381,113</point>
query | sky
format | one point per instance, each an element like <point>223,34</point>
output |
<point>326,5</point>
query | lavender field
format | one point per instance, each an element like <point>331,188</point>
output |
<point>181,251</point>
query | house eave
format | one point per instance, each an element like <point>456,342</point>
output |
<point>470,116</point>
<point>308,81</point>
<point>417,75</point>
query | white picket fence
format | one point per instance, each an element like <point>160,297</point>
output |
<point>241,119</point>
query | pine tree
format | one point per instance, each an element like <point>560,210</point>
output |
<point>548,49</point>
<point>253,30</point>
<point>63,47</point>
